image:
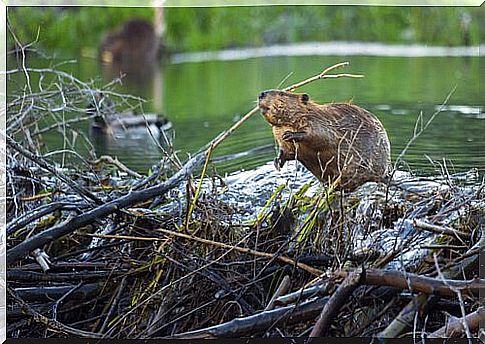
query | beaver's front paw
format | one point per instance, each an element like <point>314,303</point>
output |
<point>293,136</point>
<point>279,162</point>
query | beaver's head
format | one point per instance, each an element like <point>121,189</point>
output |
<point>281,107</point>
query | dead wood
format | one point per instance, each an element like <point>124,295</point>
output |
<point>18,275</point>
<point>259,322</point>
<point>336,301</point>
<point>18,252</point>
<point>456,327</point>
<point>282,289</point>
<point>51,323</point>
<point>43,294</point>
<point>416,283</point>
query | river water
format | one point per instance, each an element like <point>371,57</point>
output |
<point>204,94</point>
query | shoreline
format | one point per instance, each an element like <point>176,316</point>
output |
<point>334,48</point>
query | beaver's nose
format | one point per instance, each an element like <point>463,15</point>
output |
<point>262,95</point>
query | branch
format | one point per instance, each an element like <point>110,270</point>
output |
<point>50,323</point>
<point>259,322</point>
<point>336,301</point>
<point>455,328</point>
<point>39,161</point>
<point>416,283</point>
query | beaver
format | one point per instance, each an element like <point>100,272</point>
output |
<point>135,42</point>
<point>330,140</point>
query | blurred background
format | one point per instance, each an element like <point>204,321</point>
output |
<point>203,68</point>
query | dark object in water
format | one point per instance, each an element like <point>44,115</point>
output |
<point>107,120</point>
<point>330,140</point>
<point>135,42</point>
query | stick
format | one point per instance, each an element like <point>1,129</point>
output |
<point>38,294</point>
<point>439,229</point>
<point>259,322</point>
<point>416,283</point>
<point>114,161</point>
<point>455,328</point>
<point>324,75</point>
<point>50,323</point>
<point>282,289</point>
<point>336,301</point>
<point>31,276</point>
<point>39,161</point>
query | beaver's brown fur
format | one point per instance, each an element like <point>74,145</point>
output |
<point>331,140</point>
<point>135,42</point>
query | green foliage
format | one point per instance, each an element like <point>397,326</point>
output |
<point>192,29</point>
<point>68,30</point>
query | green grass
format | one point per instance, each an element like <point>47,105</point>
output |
<point>74,30</point>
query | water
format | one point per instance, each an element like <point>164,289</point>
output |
<point>203,98</point>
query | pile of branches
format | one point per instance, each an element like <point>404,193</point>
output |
<point>96,250</point>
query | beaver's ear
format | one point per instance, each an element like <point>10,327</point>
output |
<point>305,98</point>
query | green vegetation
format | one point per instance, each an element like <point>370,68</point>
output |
<point>77,30</point>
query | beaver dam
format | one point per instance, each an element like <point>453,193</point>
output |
<point>97,250</point>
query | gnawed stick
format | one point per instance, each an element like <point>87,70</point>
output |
<point>319,290</point>
<point>455,328</point>
<point>439,229</point>
<point>336,301</point>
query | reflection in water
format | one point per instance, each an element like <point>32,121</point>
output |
<point>134,51</point>
<point>136,41</point>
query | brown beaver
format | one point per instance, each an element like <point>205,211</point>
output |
<point>331,140</point>
<point>135,42</point>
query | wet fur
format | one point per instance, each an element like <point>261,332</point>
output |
<point>330,140</point>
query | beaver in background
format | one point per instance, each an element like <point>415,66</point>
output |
<point>330,140</point>
<point>135,42</point>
